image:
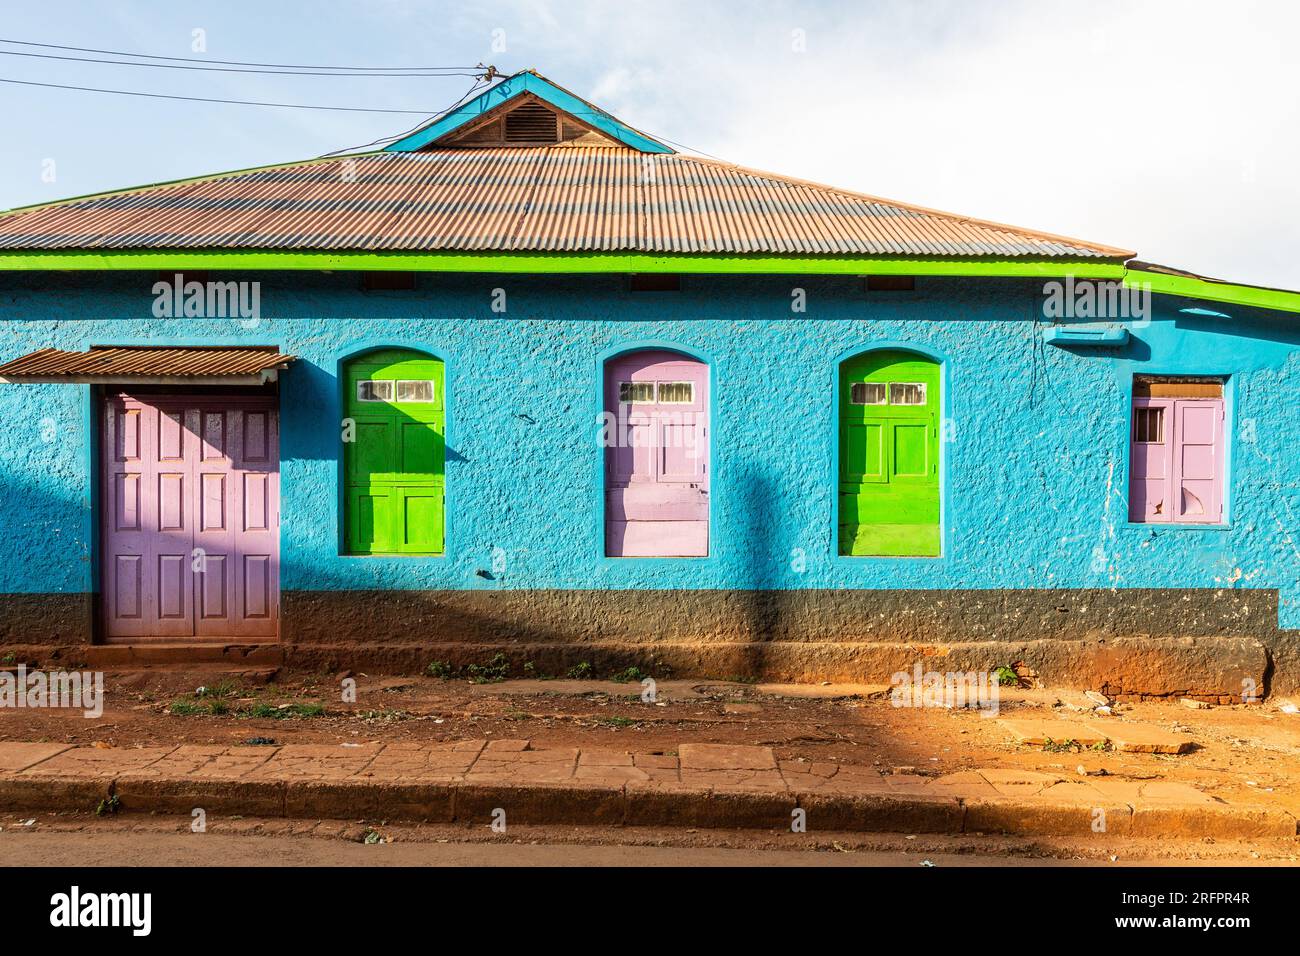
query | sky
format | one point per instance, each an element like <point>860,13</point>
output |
<point>1169,127</point>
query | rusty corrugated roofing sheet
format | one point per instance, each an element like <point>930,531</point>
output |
<point>140,361</point>
<point>570,199</point>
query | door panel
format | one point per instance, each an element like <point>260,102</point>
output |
<point>257,588</point>
<point>127,577</point>
<point>889,456</point>
<point>258,494</point>
<point>657,538</point>
<point>191,492</point>
<point>864,458</point>
<point>911,450</point>
<point>421,509</point>
<point>126,502</point>
<point>657,466</point>
<point>632,459</point>
<point>174,588</point>
<point>171,502</point>
<point>366,529</point>
<point>213,585</point>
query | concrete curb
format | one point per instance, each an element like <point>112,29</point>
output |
<point>637,805</point>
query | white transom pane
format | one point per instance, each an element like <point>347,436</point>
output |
<point>676,393</point>
<point>906,393</point>
<point>636,392</point>
<point>372,391</point>
<point>867,393</point>
<point>415,390</point>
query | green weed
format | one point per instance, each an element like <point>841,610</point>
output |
<point>494,671</point>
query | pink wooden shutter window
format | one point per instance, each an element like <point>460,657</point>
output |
<point>1179,477</point>
<point>1198,460</point>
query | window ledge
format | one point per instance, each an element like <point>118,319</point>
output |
<point>1177,526</point>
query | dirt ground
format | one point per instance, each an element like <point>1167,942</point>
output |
<point>84,840</point>
<point>1244,753</point>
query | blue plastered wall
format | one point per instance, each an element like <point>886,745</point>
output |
<point>1034,458</point>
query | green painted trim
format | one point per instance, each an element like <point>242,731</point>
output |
<point>525,263</point>
<point>1190,287</point>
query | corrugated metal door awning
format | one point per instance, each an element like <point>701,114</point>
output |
<point>147,365</point>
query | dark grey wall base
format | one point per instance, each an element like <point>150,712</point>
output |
<point>650,617</point>
<point>1202,642</point>
<point>46,618</point>
<point>1210,643</point>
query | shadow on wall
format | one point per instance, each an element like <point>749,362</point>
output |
<point>45,546</point>
<point>765,604</point>
<point>310,413</point>
<point>45,561</point>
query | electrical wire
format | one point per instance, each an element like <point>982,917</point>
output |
<point>204,65</point>
<point>223,69</point>
<point>207,99</point>
<point>420,125</point>
<point>193,59</point>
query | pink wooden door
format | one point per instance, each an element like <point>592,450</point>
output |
<point>190,518</point>
<point>657,463</point>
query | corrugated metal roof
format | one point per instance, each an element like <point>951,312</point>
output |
<point>142,361</point>
<point>560,199</point>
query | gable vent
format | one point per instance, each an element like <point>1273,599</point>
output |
<point>531,123</point>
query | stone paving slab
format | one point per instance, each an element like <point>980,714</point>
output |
<point>208,761</point>
<point>725,757</point>
<point>1036,733</point>
<point>315,762</point>
<point>413,762</point>
<point>823,691</point>
<point>1122,735</point>
<point>20,756</point>
<point>96,762</point>
<point>708,785</point>
<point>1143,738</point>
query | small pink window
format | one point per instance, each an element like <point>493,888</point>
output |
<point>1148,425</point>
<point>1176,459</point>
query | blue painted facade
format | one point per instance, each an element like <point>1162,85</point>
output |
<point>1034,479</point>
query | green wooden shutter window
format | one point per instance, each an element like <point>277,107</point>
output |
<point>394,469</point>
<point>889,455</point>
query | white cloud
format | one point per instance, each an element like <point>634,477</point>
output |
<point>1166,128</point>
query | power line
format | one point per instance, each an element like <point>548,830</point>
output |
<point>420,125</point>
<point>195,59</point>
<point>205,99</point>
<point>225,69</point>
